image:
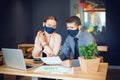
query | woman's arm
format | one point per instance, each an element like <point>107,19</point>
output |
<point>37,48</point>
<point>57,44</point>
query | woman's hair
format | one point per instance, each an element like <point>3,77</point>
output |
<point>50,17</point>
<point>74,19</point>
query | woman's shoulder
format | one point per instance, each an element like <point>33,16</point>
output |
<point>56,34</point>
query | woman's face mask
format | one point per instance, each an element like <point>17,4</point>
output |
<point>50,26</point>
<point>73,33</point>
<point>49,30</point>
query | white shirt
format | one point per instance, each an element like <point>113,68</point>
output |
<point>54,45</point>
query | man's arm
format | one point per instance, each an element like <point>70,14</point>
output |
<point>65,51</point>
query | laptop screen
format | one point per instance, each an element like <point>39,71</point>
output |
<point>14,58</point>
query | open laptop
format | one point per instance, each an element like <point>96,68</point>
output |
<point>14,59</point>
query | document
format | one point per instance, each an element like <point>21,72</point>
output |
<point>55,69</point>
<point>51,60</point>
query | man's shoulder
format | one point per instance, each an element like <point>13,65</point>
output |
<point>84,32</point>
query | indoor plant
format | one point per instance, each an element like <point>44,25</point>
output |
<point>89,62</point>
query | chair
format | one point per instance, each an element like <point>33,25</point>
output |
<point>102,49</point>
<point>27,49</point>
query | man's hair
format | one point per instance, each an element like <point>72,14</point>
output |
<point>50,17</point>
<point>74,19</point>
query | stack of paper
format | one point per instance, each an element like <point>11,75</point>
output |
<point>51,60</point>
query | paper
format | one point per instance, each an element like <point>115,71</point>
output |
<point>51,60</point>
<point>55,69</point>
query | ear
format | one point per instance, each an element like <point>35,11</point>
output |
<point>43,24</point>
<point>79,27</point>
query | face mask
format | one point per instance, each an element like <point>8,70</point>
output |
<point>73,33</point>
<point>49,29</point>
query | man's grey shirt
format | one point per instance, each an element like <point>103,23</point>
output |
<point>67,51</point>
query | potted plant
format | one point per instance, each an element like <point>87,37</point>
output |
<point>89,62</point>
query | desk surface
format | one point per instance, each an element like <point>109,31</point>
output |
<point>78,74</point>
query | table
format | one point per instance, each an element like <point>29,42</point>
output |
<point>78,74</point>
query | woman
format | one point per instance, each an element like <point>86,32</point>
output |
<point>47,41</point>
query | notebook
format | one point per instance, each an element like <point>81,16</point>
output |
<point>14,59</point>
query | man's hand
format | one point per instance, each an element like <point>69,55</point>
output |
<point>67,63</point>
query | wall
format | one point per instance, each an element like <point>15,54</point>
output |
<point>21,19</point>
<point>112,33</point>
<point>15,22</point>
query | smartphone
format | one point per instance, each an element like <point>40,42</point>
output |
<point>37,60</point>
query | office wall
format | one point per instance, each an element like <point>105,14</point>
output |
<point>21,19</point>
<point>15,22</point>
<point>113,31</point>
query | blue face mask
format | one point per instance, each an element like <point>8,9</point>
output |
<point>73,33</point>
<point>49,29</point>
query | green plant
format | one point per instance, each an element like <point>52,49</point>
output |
<point>89,51</point>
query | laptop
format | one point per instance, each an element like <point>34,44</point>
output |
<point>14,59</point>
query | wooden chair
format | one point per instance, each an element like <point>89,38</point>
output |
<point>102,49</point>
<point>27,49</point>
<point>1,58</point>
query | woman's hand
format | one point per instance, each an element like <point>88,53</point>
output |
<point>51,54</point>
<point>41,37</point>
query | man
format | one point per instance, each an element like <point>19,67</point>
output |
<point>70,52</point>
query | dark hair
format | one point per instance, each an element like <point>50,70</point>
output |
<point>50,17</point>
<point>74,19</point>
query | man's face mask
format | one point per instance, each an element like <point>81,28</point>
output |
<point>49,29</point>
<point>73,33</point>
